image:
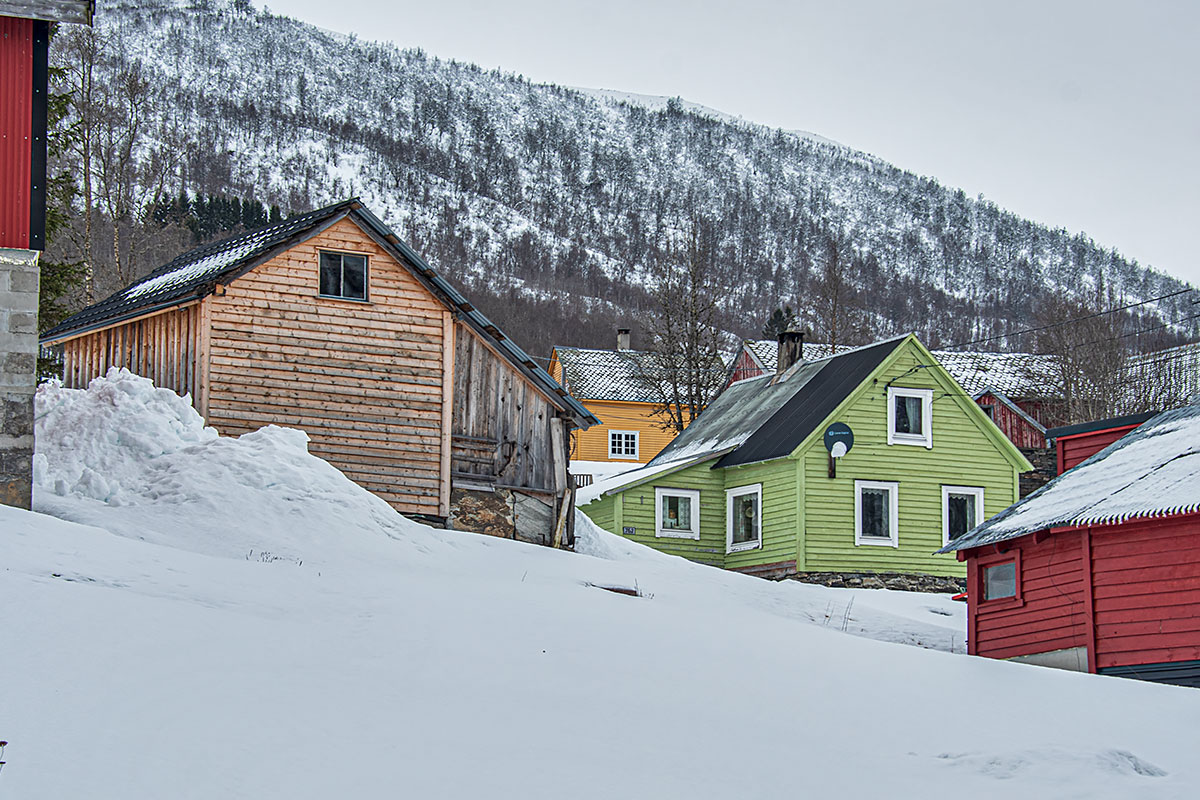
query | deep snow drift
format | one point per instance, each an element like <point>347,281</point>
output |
<point>282,633</point>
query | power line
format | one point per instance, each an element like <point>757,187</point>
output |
<point>1060,323</point>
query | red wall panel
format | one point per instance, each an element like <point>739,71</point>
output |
<point>16,114</point>
<point>1075,449</point>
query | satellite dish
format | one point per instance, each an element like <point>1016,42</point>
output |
<point>839,439</point>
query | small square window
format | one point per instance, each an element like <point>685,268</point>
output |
<point>743,524</point>
<point>623,445</point>
<point>1000,581</point>
<point>678,513</point>
<point>875,513</point>
<point>962,510</point>
<point>910,416</point>
<point>343,275</point>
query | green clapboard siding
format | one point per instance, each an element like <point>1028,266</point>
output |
<point>818,533</point>
<point>962,455</point>
<point>780,527</point>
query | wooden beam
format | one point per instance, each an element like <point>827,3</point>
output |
<point>447,407</point>
<point>204,357</point>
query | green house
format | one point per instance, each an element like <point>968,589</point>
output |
<point>754,485</point>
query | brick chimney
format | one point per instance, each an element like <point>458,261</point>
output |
<point>791,350</point>
<point>622,338</point>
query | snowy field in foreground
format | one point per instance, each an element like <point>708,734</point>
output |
<point>235,619</point>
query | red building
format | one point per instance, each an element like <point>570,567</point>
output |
<point>24,55</point>
<point>1074,444</point>
<point>1098,571</point>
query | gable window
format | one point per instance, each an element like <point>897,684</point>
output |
<point>743,518</point>
<point>875,513</point>
<point>623,444</point>
<point>1000,581</point>
<point>343,275</point>
<point>962,510</point>
<point>910,416</point>
<point>678,515</point>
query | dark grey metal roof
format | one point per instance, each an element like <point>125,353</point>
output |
<point>1020,375</point>
<point>196,273</point>
<point>1099,425</point>
<point>1153,470</point>
<point>762,418</point>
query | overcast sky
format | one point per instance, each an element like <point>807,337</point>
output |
<point>1082,115</point>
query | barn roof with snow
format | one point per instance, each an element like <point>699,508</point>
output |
<point>1152,471</point>
<point>607,374</point>
<point>197,273</point>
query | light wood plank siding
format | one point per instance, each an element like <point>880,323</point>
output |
<point>363,379</point>
<point>164,347</point>
<point>501,424</point>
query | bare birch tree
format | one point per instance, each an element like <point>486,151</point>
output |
<point>682,368</point>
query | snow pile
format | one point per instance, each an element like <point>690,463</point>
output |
<point>396,660</point>
<point>134,459</point>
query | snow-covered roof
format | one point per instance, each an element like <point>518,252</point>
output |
<point>1017,375</point>
<point>606,374</point>
<point>587,494</point>
<point>1152,471</point>
<point>763,418</point>
<point>196,273</point>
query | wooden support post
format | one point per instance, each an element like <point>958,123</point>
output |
<point>562,490</point>
<point>447,410</point>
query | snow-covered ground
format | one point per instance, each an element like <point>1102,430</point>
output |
<point>233,618</point>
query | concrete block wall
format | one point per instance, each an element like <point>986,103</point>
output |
<point>18,373</point>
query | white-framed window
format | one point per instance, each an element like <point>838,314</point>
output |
<point>623,444</point>
<point>876,513</point>
<point>962,510</point>
<point>910,416</point>
<point>743,518</point>
<point>343,275</point>
<point>677,513</point>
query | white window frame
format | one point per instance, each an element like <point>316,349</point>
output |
<point>637,446</point>
<point>922,440</point>
<point>661,492</point>
<point>893,489</point>
<point>730,496</point>
<point>976,491</point>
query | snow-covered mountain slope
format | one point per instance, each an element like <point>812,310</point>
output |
<point>230,641</point>
<point>555,206</point>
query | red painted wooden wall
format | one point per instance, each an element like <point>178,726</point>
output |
<point>1128,592</point>
<point>744,367</point>
<point>16,114</point>
<point>1078,448</point>
<point>1012,424</point>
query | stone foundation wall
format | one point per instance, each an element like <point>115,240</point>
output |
<point>884,580</point>
<point>502,512</point>
<point>18,373</point>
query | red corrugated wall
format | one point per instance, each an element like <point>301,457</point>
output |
<point>1129,592</point>
<point>16,114</point>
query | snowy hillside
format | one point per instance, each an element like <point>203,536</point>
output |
<point>213,631</point>
<point>554,206</point>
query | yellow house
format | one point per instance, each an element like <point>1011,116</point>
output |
<point>609,383</point>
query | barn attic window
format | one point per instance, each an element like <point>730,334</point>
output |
<point>343,275</point>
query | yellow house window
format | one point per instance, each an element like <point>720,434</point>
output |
<point>623,444</point>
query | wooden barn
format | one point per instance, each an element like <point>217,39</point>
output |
<point>1098,571</point>
<point>328,322</point>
